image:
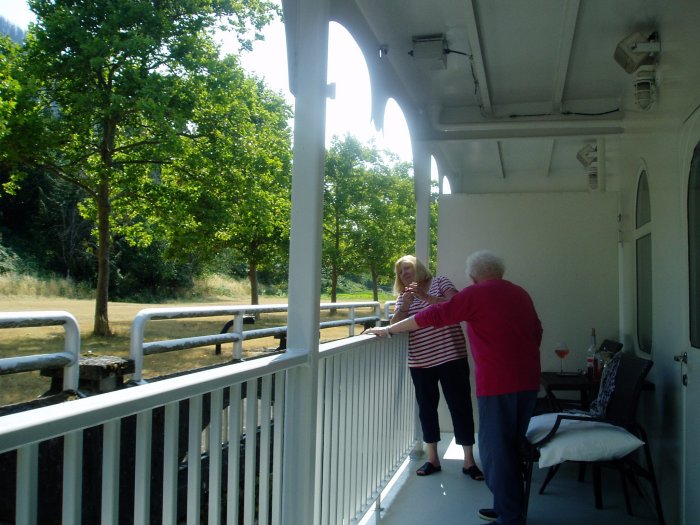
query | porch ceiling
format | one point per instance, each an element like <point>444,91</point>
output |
<point>521,89</point>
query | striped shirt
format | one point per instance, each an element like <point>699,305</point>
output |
<point>429,346</point>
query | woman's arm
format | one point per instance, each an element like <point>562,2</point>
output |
<point>446,295</point>
<point>405,325</point>
<point>404,304</point>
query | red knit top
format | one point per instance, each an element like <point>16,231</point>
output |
<point>504,334</point>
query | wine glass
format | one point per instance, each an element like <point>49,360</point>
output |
<point>562,351</point>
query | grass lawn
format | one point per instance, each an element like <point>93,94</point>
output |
<point>21,387</point>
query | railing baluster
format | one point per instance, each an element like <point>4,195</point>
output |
<point>72,476</point>
<point>334,441</point>
<point>280,378</point>
<point>251,425</point>
<point>234,454</point>
<point>171,440</point>
<point>323,463</point>
<point>26,496</point>
<point>142,478</point>
<point>194,463</point>
<point>216,409</point>
<point>111,451</point>
<point>354,449</point>
<point>265,438</point>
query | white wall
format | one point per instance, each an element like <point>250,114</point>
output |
<point>561,247</point>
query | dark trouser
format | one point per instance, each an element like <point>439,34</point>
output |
<point>503,421</point>
<point>454,379</point>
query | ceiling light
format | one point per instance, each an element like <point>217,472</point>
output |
<point>636,49</point>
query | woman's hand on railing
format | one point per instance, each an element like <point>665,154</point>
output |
<point>382,331</point>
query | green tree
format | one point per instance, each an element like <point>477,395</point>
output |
<point>9,86</point>
<point>369,212</point>
<point>110,97</point>
<point>383,220</point>
<point>346,162</point>
<point>245,205</point>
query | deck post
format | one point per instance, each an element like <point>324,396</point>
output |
<point>306,24</point>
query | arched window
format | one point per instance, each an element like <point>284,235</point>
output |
<point>642,235</point>
<point>694,246</point>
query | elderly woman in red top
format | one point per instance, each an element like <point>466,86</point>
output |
<point>436,355</point>
<point>504,334</point>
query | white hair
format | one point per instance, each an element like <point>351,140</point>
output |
<point>485,265</point>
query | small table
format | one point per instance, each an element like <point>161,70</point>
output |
<point>556,382</point>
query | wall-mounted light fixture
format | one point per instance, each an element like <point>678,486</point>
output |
<point>430,51</point>
<point>645,87</point>
<point>587,155</point>
<point>636,50</point>
<point>640,53</point>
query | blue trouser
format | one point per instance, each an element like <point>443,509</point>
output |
<point>503,422</point>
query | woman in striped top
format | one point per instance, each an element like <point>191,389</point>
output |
<point>436,355</point>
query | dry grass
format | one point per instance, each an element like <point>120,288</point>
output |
<point>26,386</point>
<point>12,284</point>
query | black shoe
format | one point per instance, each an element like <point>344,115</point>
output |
<point>428,468</point>
<point>488,514</point>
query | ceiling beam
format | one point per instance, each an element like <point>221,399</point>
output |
<point>505,131</point>
<point>566,42</point>
<point>477,58</point>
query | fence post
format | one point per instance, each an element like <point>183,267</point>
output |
<point>238,329</point>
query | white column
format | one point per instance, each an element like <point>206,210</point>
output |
<point>421,187</point>
<point>310,56</point>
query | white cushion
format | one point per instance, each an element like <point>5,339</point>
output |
<point>580,440</point>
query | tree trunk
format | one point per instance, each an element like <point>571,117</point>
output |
<point>101,326</point>
<point>375,289</point>
<point>334,288</point>
<point>253,278</point>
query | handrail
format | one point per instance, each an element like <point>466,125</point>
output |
<point>68,359</point>
<point>139,348</point>
<point>55,420</point>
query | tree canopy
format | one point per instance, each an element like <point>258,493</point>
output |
<point>369,211</point>
<point>128,101</point>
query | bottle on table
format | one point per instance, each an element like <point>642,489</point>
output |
<point>592,364</point>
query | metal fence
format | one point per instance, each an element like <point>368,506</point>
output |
<point>139,348</point>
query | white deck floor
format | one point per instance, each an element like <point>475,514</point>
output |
<point>449,497</point>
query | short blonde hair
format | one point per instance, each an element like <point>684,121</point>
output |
<point>421,272</point>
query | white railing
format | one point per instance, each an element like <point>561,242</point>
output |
<point>144,443</point>
<point>68,359</point>
<point>366,425</point>
<point>139,348</point>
